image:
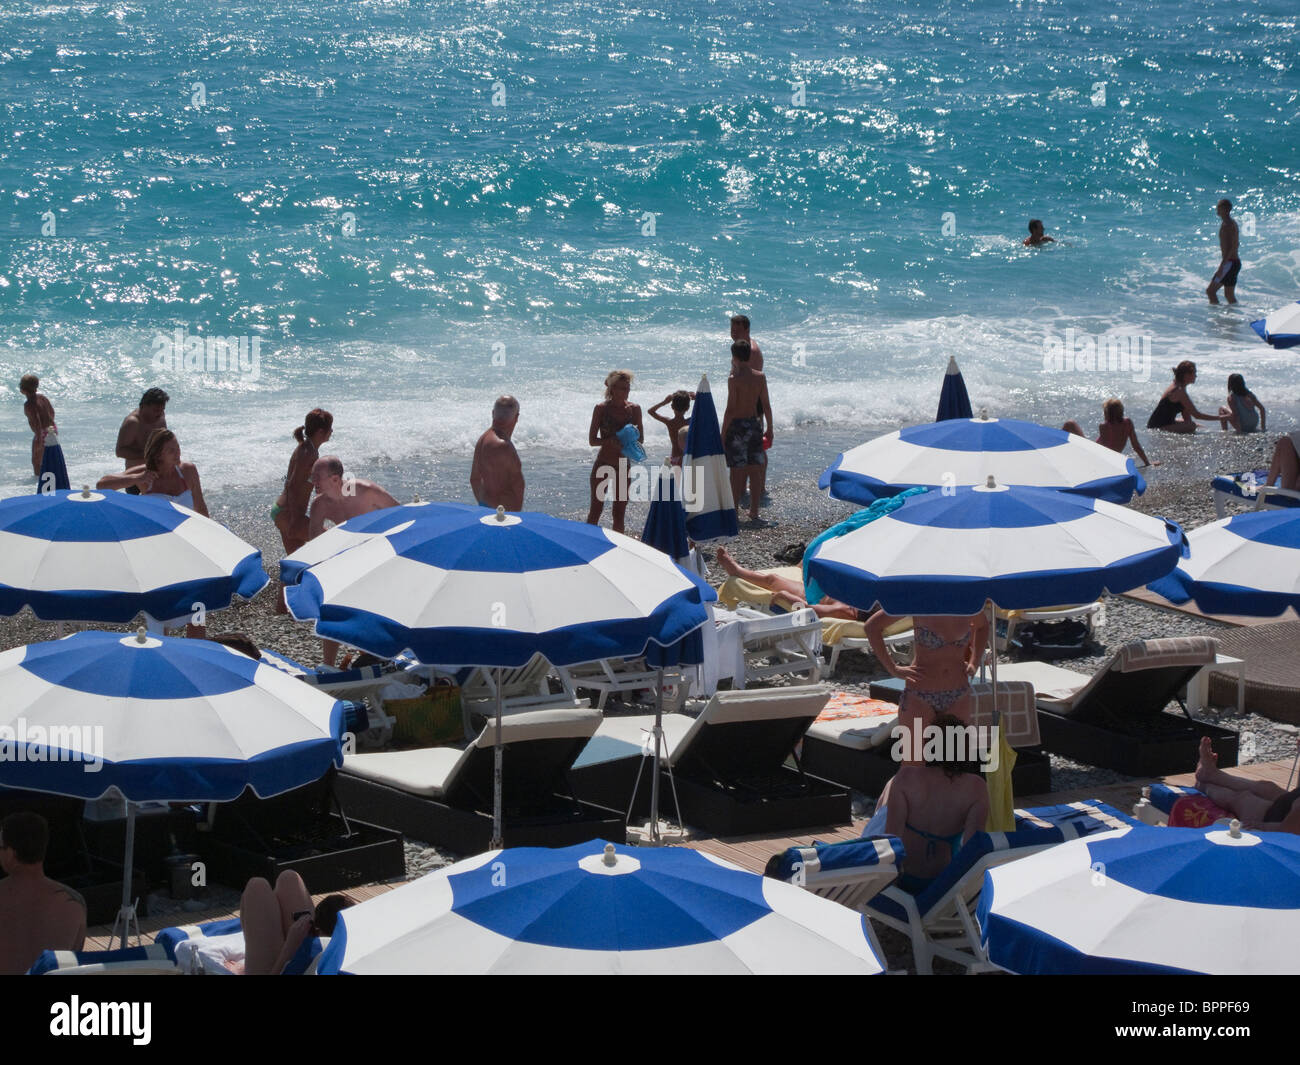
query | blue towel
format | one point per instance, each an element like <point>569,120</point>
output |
<point>631,441</point>
<point>811,589</point>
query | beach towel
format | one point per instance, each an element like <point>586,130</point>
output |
<point>878,509</point>
<point>736,590</point>
<point>1002,805</point>
<point>1196,811</point>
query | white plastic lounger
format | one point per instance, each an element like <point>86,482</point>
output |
<point>148,960</point>
<point>1250,486</point>
<point>523,689</point>
<point>620,676</point>
<point>782,645</point>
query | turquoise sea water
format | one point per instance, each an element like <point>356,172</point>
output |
<point>414,206</point>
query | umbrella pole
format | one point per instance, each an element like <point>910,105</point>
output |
<point>654,778</point>
<point>496,774</point>
<point>126,915</point>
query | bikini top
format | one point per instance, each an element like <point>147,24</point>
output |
<point>184,499</point>
<point>932,840</point>
<point>932,641</point>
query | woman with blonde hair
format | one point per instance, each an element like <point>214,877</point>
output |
<point>609,432</point>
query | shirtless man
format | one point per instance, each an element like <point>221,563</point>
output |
<point>138,425</point>
<point>1230,265</point>
<point>740,331</point>
<point>339,497</point>
<point>496,476</point>
<point>40,416</point>
<point>36,913</point>
<point>1037,237</point>
<point>742,430</point>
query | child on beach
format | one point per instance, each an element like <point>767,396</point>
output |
<point>681,403</point>
<point>1244,412</point>
<point>1117,431</point>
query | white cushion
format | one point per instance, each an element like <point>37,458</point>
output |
<point>421,772</point>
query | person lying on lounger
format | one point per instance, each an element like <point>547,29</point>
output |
<point>276,921</point>
<point>791,592</point>
<point>1257,804</point>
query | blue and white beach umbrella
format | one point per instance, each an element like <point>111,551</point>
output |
<point>713,516</point>
<point>1246,564</point>
<point>107,556</point>
<point>951,552</point>
<point>962,452</point>
<point>158,719</point>
<point>463,586</point>
<point>1281,328</point>
<point>954,401</point>
<point>1149,900</point>
<point>598,909</point>
<point>665,523</point>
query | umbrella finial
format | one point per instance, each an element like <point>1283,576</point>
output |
<point>991,483</point>
<point>85,491</point>
<point>1234,829</point>
<point>140,636</point>
<point>417,498</point>
<point>984,414</point>
<point>610,857</point>
<point>501,513</point>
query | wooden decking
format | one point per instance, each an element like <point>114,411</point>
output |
<point>750,852</point>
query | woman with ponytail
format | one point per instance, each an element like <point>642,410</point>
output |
<point>290,510</point>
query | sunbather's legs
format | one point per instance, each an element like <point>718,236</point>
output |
<point>259,917</point>
<point>1285,464</point>
<point>293,896</point>
<point>1247,799</point>
<point>770,581</point>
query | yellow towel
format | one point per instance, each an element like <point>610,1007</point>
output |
<point>734,590</point>
<point>1002,812</point>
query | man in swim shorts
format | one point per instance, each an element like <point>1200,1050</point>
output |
<point>1225,276</point>
<point>742,431</point>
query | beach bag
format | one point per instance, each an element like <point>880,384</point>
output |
<point>1067,638</point>
<point>428,720</point>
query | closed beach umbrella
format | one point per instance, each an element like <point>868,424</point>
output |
<point>665,524</point>
<point>54,471</point>
<point>1281,328</point>
<point>951,454</point>
<point>712,515</point>
<point>107,556</point>
<point>158,719</point>
<point>954,401</point>
<point>1020,548</point>
<point>1246,564</point>
<point>1146,900</point>
<point>598,909</point>
<point>461,586</point>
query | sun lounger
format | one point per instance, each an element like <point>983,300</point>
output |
<point>728,765</point>
<point>1115,718</point>
<point>1085,613</point>
<point>941,920</point>
<point>444,795</point>
<point>619,676</point>
<point>523,689</point>
<point>1158,801</point>
<point>851,873</point>
<point>149,960</point>
<point>1250,486</point>
<point>206,948</point>
<point>840,636</point>
<point>782,645</point>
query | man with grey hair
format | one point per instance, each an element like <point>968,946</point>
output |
<point>496,476</point>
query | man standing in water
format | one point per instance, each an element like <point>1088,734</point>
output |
<point>339,497</point>
<point>496,475</point>
<point>139,424</point>
<point>742,431</point>
<point>740,331</point>
<point>1230,264</point>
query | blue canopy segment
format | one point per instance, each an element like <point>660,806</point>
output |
<point>715,519</point>
<point>665,524</point>
<point>954,401</point>
<point>348,534</point>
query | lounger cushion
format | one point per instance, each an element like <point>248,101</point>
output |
<point>1160,654</point>
<point>421,772</point>
<point>755,704</point>
<point>1051,684</point>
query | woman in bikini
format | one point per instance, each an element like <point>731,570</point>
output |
<point>608,473</point>
<point>948,652</point>
<point>289,513</point>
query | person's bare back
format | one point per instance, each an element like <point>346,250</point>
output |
<point>36,914</point>
<point>496,476</point>
<point>341,496</point>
